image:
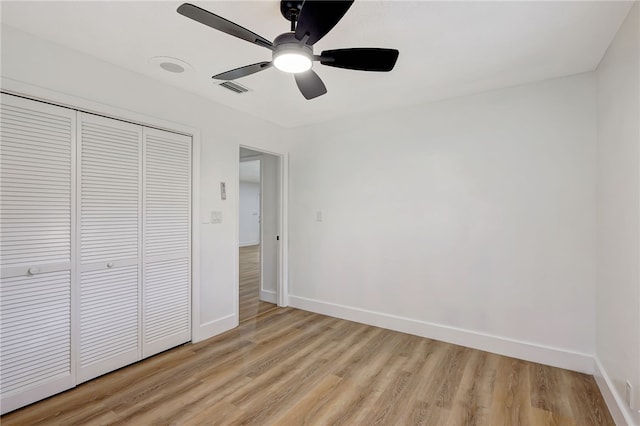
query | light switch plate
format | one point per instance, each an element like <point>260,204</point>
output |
<point>216,216</point>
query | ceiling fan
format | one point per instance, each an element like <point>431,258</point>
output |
<point>293,51</point>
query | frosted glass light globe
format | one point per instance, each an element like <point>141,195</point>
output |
<point>292,61</point>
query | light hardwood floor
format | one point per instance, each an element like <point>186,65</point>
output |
<point>250,303</point>
<point>291,367</point>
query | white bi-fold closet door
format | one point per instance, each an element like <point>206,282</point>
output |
<point>134,243</point>
<point>37,153</point>
<point>110,253</point>
<point>96,260</point>
<point>166,248</point>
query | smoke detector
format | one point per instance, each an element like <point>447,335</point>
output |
<point>172,65</point>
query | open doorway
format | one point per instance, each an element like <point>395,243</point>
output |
<point>259,223</point>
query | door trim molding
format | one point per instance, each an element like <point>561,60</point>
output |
<point>281,297</point>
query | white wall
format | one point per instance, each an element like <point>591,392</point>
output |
<point>470,220</point>
<point>63,71</point>
<point>270,228</point>
<point>249,214</point>
<point>618,214</point>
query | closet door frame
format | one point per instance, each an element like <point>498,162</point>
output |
<point>199,331</point>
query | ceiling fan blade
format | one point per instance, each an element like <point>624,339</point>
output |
<point>219,23</point>
<point>363,59</point>
<point>243,71</point>
<point>310,84</point>
<point>317,18</point>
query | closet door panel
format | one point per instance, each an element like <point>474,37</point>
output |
<point>167,241</point>
<point>108,320</point>
<point>167,301</point>
<point>36,167</point>
<point>110,250</point>
<point>167,194</point>
<point>37,142</point>
<point>36,337</point>
<point>110,185</point>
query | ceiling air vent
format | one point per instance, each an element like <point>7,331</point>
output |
<point>234,87</point>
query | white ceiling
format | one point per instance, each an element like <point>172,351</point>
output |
<point>447,49</point>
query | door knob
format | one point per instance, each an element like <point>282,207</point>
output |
<point>33,271</point>
<point>110,265</point>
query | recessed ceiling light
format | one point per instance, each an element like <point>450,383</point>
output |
<point>172,65</point>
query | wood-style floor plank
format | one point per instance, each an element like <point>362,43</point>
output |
<point>250,303</point>
<point>291,367</point>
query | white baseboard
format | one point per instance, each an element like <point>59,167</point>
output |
<point>249,243</point>
<point>268,296</point>
<point>500,345</point>
<point>621,415</point>
<point>215,327</point>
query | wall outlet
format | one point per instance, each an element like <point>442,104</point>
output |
<point>319,216</point>
<point>628,394</point>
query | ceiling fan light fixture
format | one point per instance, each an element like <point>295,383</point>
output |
<point>292,61</point>
<point>291,56</point>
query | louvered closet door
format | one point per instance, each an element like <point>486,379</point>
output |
<point>110,203</point>
<point>37,145</point>
<point>167,241</point>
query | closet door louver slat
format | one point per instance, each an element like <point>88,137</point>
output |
<point>37,145</point>
<point>167,241</point>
